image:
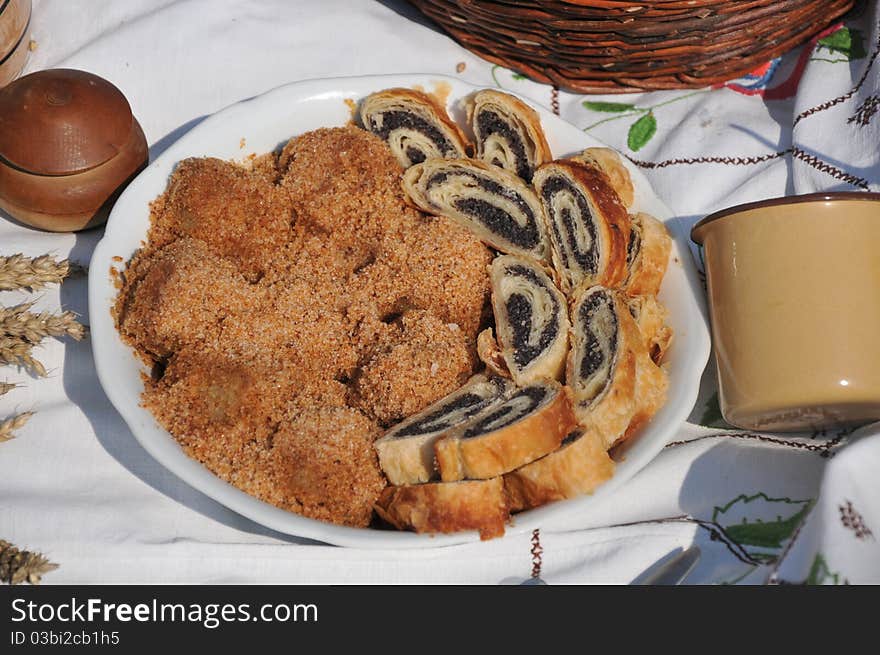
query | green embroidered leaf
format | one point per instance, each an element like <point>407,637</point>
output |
<point>769,534</point>
<point>747,520</point>
<point>712,417</point>
<point>519,76</point>
<point>821,574</point>
<point>641,132</point>
<point>841,40</point>
<point>847,42</point>
<point>612,107</point>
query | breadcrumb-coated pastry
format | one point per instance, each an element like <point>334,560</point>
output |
<point>179,296</point>
<point>435,265</point>
<point>425,360</point>
<point>344,187</point>
<point>325,460</point>
<point>288,308</point>
<point>447,507</point>
<point>577,467</point>
<point>250,221</point>
<point>287,325</point>
<point>507,133</point>
<point>415,126</point>
<point>223,413</point>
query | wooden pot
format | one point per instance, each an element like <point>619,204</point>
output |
<point>14,38</point>
<point>69,144</point>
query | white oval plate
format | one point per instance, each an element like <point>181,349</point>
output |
<point>271,119</point>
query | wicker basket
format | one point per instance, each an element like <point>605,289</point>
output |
<point>611,46</point>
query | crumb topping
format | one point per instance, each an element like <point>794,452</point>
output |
<point>295,306</point>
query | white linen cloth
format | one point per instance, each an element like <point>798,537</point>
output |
<point>76,486</point>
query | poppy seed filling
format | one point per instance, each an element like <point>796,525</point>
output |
<point>489,123</point>
<point>598,348</point>
<point>394,120</point>
<point>587,261</point>
<point>520,404</point>
<point>520,317</point>
<point>467,405</point>
<point>496,219</point>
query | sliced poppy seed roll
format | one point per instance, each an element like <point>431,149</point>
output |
<point>588,225</point>
<point>415,126</point>
<point>615,384</point>
<point>497,206</point>
<point>530,423</point>
<point>508,133</point>
<point>531,319</point>
<point>579,466</point>
<point>647,255</point>
<point>406,452</point>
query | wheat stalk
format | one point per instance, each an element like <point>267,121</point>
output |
<point>6,387</point>
<point>18,566</point>
<point>16,351</point>
<point>20,272</point>
<point>12,424</point>
<point>18,322</point>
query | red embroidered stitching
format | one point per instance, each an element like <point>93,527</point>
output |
<point>537,553</point>
<point>736,161</point>
<point>825,167</point>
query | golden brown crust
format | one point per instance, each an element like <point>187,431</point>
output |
<point>637,386</point>
<point>496,452</point>
<point>447,507</point>
<point>651,317</point>
<point>610,411</point>
<point>521,119</point>
<point>608,214</point>
<point>423,105</point>
<point>576,468</point>
<point>652,383</point>
<point>649,264</point>
<point>610,163</point>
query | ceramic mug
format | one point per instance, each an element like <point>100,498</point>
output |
<point>794,301</point>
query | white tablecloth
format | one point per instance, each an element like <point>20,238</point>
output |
<point>76,486</point>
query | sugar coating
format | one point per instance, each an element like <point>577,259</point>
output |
<point>182,297</point>
<point>419,357</point>
<point>294,308</point>
<point>238,212</point>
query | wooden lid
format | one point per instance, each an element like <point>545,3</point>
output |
<point>62,121</point>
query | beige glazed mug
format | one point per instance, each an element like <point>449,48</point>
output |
<point>794,301</point>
